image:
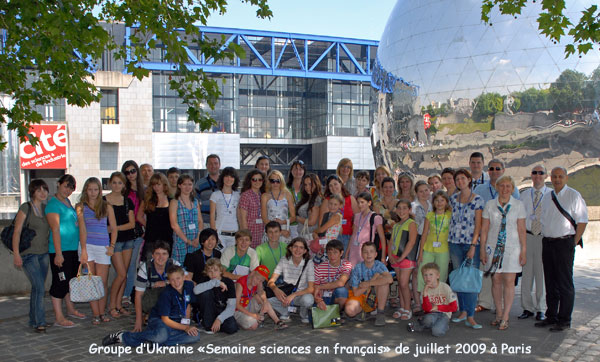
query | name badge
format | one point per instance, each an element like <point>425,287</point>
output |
<point>292,309</point>
<point>437,244</point>
<point>187,298</point>
<point>185,321</point>
<point>259,221</point>
<point>532,217</point>
<point>344,221</point>
<point>327,294</point>
<point>192,226</point>
<point>322,241</point>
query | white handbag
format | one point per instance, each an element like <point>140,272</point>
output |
<point>86,288</point>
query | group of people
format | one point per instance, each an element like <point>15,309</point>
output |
<point>213,255</point>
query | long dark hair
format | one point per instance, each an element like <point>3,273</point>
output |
<point>138,180</point>
<point>247,184</point>
<point>312,198</point>
<point>290,178</point>
<point>228,171</point>
<point>327,192</point>
<point>288,253</point>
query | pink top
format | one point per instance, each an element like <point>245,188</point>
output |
<point>250,202</point>
<point>362,235</point>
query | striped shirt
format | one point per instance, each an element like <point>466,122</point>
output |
<point>325,273</point>
<point>96,230</point>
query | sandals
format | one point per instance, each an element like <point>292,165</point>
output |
<point>406,316</point>
<point>96,321</point>
<point>40,329</point>
<point>496,322</point>
<point>125,302</point>
<point>280,325</point>
<point>503,325</point>
<point>123,311</point>
<point>77,315</point>
<point>115,313</point>
<point>399,313</point>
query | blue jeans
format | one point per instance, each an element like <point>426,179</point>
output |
<point>133,264</point>
<point>345,239</point>
<point>436,321</point>
<point>36,269</point>
<point>158,332</point>
<point>458,253</point>
<point>340,292</point>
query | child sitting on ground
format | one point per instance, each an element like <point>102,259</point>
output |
<point>438,303</point>
<point>169,322</point>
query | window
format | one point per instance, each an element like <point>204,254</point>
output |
<point>109,106</point>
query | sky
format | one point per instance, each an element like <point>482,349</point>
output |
<point>360,19</point>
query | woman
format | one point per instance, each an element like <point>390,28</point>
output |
<point>34,260</point>
<point>294,185</point>
<point>465,227</point>
<point>298,274</point>
<point>503,233</point>
<point>125,220</point>
<point>195,262</point>
<point>186,219</point>
<point>134,189</point>
<point>249,217</point>
<point>381,172</point>
<point>154,214</point>
<point>277,203</point>
<point>309,206</point>
<point>223,206</point>
<point>405,187</point>
<point>386,204</point>
<point>448,181</point>
<point>263,163</point>
<point>361,231</point>
<point>334,186</point>
<point>435,183</point>
<point>64,241</point>
<point>345,171</point>
<point>95,218</point>
<point>239,259</point>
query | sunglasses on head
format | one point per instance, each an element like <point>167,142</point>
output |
<point>538,173</point>
<point>274,180</point>
<point>495,168</point>
<point>257,179</point>
<point>133,171</point>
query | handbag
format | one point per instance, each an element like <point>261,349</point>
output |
<point>27,233</point>
<point>86,288</point>
<point>329,317</point>
<point>287,288</point>
<point>466,279</point>
<point>305,231</point>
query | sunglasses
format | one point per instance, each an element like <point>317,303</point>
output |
<point>538,173</point>
<point>495,168</point>
<point>133,171</point>
<point>258,180</point>
<point>274,180</point>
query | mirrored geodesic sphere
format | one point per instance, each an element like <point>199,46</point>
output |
<point>504,90</point>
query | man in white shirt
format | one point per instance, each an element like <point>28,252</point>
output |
<point>533,270</point>
<point>558,249</point>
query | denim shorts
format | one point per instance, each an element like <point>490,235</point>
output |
<point>123,245</point>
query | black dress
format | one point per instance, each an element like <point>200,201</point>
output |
<point>158,228</point>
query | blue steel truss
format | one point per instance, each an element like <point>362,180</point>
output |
<point>281,54</point>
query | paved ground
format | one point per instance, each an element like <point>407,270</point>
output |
<point>354,341</point>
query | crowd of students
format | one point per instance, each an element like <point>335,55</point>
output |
<point>211,256</point>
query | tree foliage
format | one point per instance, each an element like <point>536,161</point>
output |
<point>553,23</point>
<point>487,104</point>
<point>50,49</point>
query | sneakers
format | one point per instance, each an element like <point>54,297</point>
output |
<point>285,318</point>
<point>304,321</point>
<point>113,338</point>
<point>206,331</point>
<point>380,320</point>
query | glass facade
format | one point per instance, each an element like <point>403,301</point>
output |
<point>276,107</point>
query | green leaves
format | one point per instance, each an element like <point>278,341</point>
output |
<point>553,23</point>
<point>51,49</point>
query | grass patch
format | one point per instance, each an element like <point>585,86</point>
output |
<point>531,143</point>
<point>468,126</point>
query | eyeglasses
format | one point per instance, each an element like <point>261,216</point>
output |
<point>300,162</point>
<point>538,173</point>
<point>133,171</point>
<point>274,180</point>
<point>258,180</point>
<point>495,168</point>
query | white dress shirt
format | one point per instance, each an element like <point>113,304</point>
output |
<point>554,224</point>
<point>527,196</point>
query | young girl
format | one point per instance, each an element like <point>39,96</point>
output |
<point>381,172</point>
<point>434,240</point>
<point>331,225</point>
<point>361,228</point>
<point>154,214</point>
<point>186,220</point>
<point>403,255</point>
<point>124,216</point>
<point>96,247</point>
<point>277,203</point>
<point>420,207</point>
<point>224,206</point>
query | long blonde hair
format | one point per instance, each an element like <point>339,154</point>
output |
<point>101,206</point>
